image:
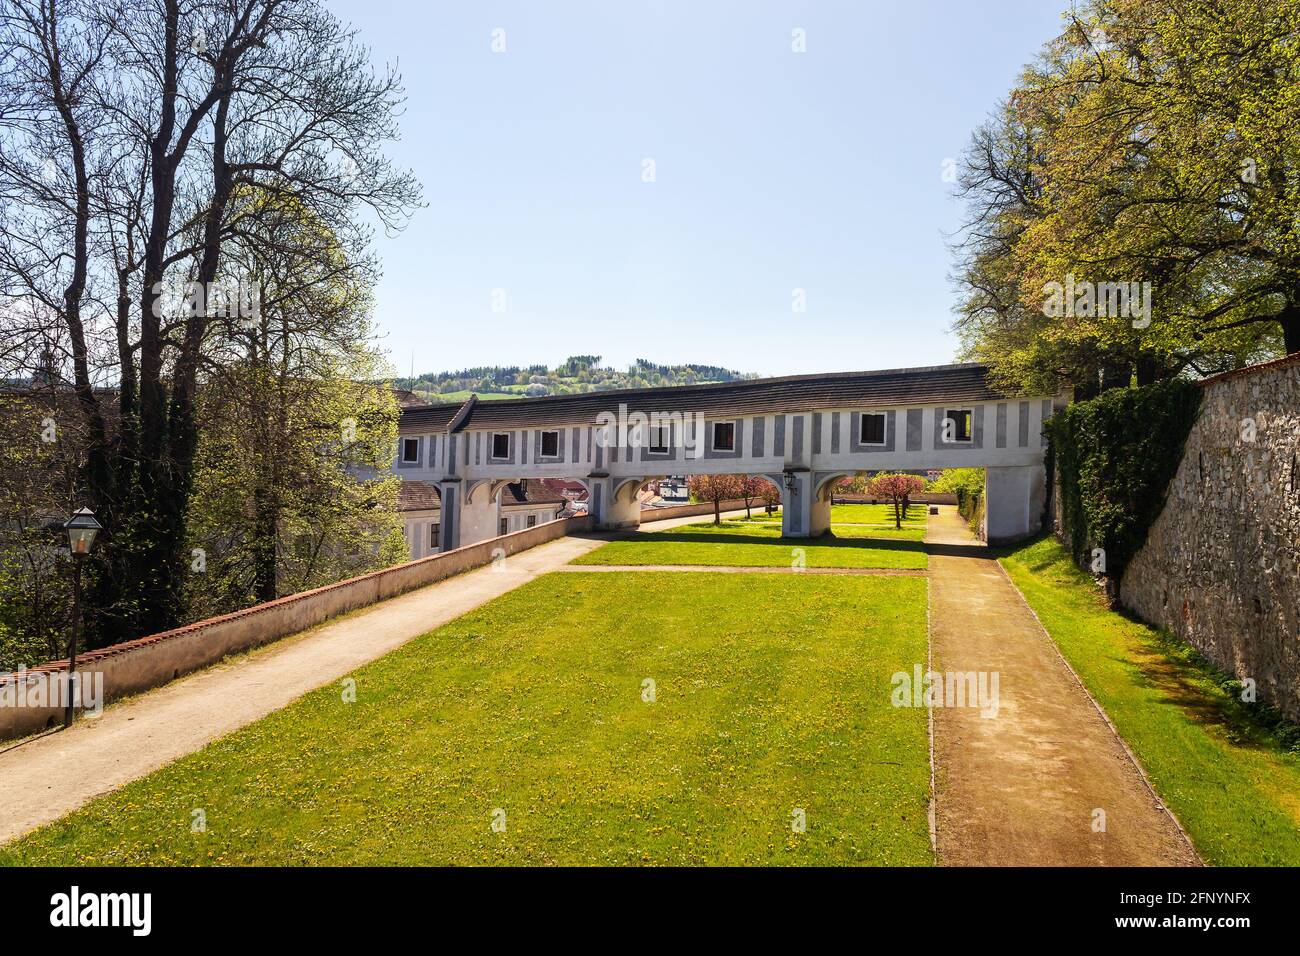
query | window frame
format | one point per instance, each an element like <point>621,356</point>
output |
<point>492,446</point>
<point>542,443</point>
<point>504,528</point>
<point>435,535</point>
<point>666,432</point>
<point>969,412</point>
<point>531,522</point>
<point>884,428</point>
<point>406,443</point>
<point>713,436</point>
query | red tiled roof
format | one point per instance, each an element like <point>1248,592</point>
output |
<point>417,496</point>
<point>530,493</point>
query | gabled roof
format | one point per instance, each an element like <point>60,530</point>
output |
<point>530,493</point>
<point>417,496</point>
<point>963,382</point>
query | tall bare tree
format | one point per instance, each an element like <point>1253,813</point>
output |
<point>127,131</point>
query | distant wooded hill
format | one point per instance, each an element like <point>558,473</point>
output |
<point>578,373</point>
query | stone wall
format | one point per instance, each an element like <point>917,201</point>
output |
<point>1221,565</point>
<point>152,661</point>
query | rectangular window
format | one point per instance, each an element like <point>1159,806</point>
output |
<point>532,521</point>
<point>659,439</point>
<point>505,526</point>
<point>500,446</point>
<point>956,425</point>
<point>410,450</point>
<point>724,436</point>
<point>433,535</point>
<point>550,444</point>
<point>872,428</point>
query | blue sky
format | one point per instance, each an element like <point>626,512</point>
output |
<point>774,171</point>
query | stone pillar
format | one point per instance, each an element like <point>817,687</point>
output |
<point>610,511</point>
<point>480,515</point>
<point>803,515</point>
<point>449,491</point>
<point>1013,502</point>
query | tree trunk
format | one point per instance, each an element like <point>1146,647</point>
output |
<point>1291,327</point>
<point>717,511</point>
<point>1115,375</point>
<point>1148,370</point>
<point>264,565</point>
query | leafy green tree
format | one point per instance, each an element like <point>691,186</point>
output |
<point>1154,145</point>
<point>291,484</point>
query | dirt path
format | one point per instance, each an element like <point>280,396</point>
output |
<point>48,776</point>
<point>1025,787</point>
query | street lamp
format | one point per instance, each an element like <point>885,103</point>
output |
<point>82,529</point>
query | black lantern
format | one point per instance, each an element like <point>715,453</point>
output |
<point>82,529</point>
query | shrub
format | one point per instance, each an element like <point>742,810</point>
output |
<point>1115,456</point>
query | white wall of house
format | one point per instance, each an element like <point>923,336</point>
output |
<point>419,525</point>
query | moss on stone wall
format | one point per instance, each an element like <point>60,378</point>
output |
<point>1115,456</point>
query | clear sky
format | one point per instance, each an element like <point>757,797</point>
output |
<point>774,171</point>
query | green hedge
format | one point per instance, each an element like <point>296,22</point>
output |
<point>1116,455</point>
<point>970,505</point>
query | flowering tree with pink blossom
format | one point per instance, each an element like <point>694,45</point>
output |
<point>897,489</point>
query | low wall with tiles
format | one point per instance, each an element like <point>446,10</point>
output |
<point>148,662</point>
<point>698,508</point>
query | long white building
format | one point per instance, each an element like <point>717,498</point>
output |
<point>803,432</point>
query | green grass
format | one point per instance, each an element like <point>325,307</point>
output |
<point>533,704</point>
<point>760,545</point>
<point>1224,772</point>
<point>877,515</point>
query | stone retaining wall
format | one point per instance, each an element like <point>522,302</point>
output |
<point>149,662</point>
<point>1221,565</point>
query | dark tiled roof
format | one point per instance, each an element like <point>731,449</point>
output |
<point>429,417</point>
<point>795,393</point>
<point>530,493</point>
<point>417,496</point>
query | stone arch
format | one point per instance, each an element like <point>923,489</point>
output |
<point>633,485</point>
<point>826,483</point>
<point>472,487</point>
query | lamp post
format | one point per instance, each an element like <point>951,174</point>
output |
<point>82,529</point>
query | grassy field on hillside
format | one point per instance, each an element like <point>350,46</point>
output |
<point>1230,781</point>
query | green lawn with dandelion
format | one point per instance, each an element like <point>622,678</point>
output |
<point>770,697</point>
<point>1229,772</point>
<point>758,544</point>
<point>882,515</point>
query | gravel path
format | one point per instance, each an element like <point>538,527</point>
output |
<point>1027,786</point>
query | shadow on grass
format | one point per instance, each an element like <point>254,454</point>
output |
<point>1166,663</point>
<point>828,540</point>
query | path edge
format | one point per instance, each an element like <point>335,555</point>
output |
<point>1133,759</point>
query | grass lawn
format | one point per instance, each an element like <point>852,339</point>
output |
<point>757,544</point>
<point>1230,781</point>
<point>534,704</point>
<point>877,515</point>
